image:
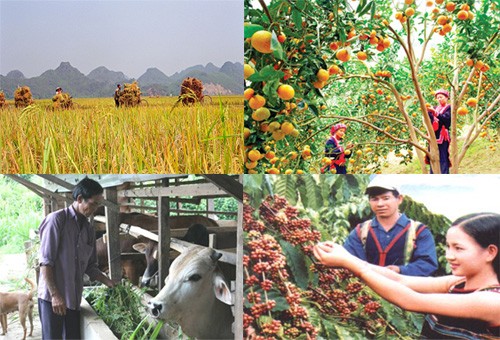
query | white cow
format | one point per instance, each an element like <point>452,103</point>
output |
<point>196,296</point>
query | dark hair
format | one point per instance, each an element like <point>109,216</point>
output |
<point>484,228</point>
<point>87,188</point>
<point>375,191</point>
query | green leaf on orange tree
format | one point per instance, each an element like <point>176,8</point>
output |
<point>267,73</point>
<point>297,18</point>
<point>250,29</point>
<point>363,10</point>
<point>270,93</point>
<point>276,47</point>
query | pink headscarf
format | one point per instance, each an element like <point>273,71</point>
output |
<point>443,92</point>
<point>337,127</point>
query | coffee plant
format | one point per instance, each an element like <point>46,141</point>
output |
<point>288,295</point>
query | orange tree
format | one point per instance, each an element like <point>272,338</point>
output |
<point>309,64</point>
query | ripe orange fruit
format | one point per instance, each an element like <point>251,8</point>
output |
<point>408,2</point>
<point>429,3</point>
<point>334,69</point>
<point>471,15</point>
<point>261,114</point>
<point>248,70</point>
<point>286,92</point>
<point>465,7</point>
<point>273,171</point>
<point>246,133</point>
<point>288,171</point>
<point>472,102</point>
<point>462,111</point>
<point>442,20</point>
<point>274,126</point>
<point>322,75</point>
<point>261,41</point>
<point>362,55</point>
<point>386,42</point>
<point>270,155</point>
<point>256,102</point>
<point>253,155</point>
<point>281,37</point>
<point>439,2</point>
<point>469,62</point>
<point>447,28</point>
<point>450,6</point>
<point>248,93</point>
<point>462,15</point>
<point>287,128</point>
<point>278,135</point>
<point>251,165</point>
<point>299,172</point>
<point>334,46</point>
<point>319,84</point>
<point>343,55</point>
<point>409,12</point>
<point>398,15</point>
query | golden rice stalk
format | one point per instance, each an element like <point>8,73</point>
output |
<point>191,91</point>
<point>62,101</point>
<point>22,96</point>
<point>130,95</point>
<point>2,100</point>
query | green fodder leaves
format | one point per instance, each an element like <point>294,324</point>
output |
<point>119,308</point>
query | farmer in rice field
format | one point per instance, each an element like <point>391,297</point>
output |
<point>58,91</point>
<point>391,239</point>
<point>117,95</point>
<point>463,305</point>
<point>67,252</point>
<point>335,151</point>
<point>441,120</point>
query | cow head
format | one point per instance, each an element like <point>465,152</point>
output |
<point>150,250</point>
<point>191,290</point>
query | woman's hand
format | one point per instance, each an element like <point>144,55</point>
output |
<point>332,254</point>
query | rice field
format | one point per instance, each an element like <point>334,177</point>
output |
<point>95,137</point>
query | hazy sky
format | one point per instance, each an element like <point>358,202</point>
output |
<point>127,36</point>
<point>452,195</point>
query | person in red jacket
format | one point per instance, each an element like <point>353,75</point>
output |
<point>335,151</point>
<point>441,121</point>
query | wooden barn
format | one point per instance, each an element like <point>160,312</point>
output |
<point>168,203</point>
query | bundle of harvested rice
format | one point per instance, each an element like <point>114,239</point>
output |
<point>131,95</point>
<point>22,96</point>
<point>2,100</point>
<point>191,91</point>
<point>62,101</point>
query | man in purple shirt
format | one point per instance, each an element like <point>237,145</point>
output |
<point>391,239</point>
<point>67,252</point>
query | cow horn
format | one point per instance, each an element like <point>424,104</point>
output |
<point>215,256</point>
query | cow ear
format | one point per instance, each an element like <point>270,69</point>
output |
<point>140,247</point>
<point>215,256</point>
<point>222,291</point>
